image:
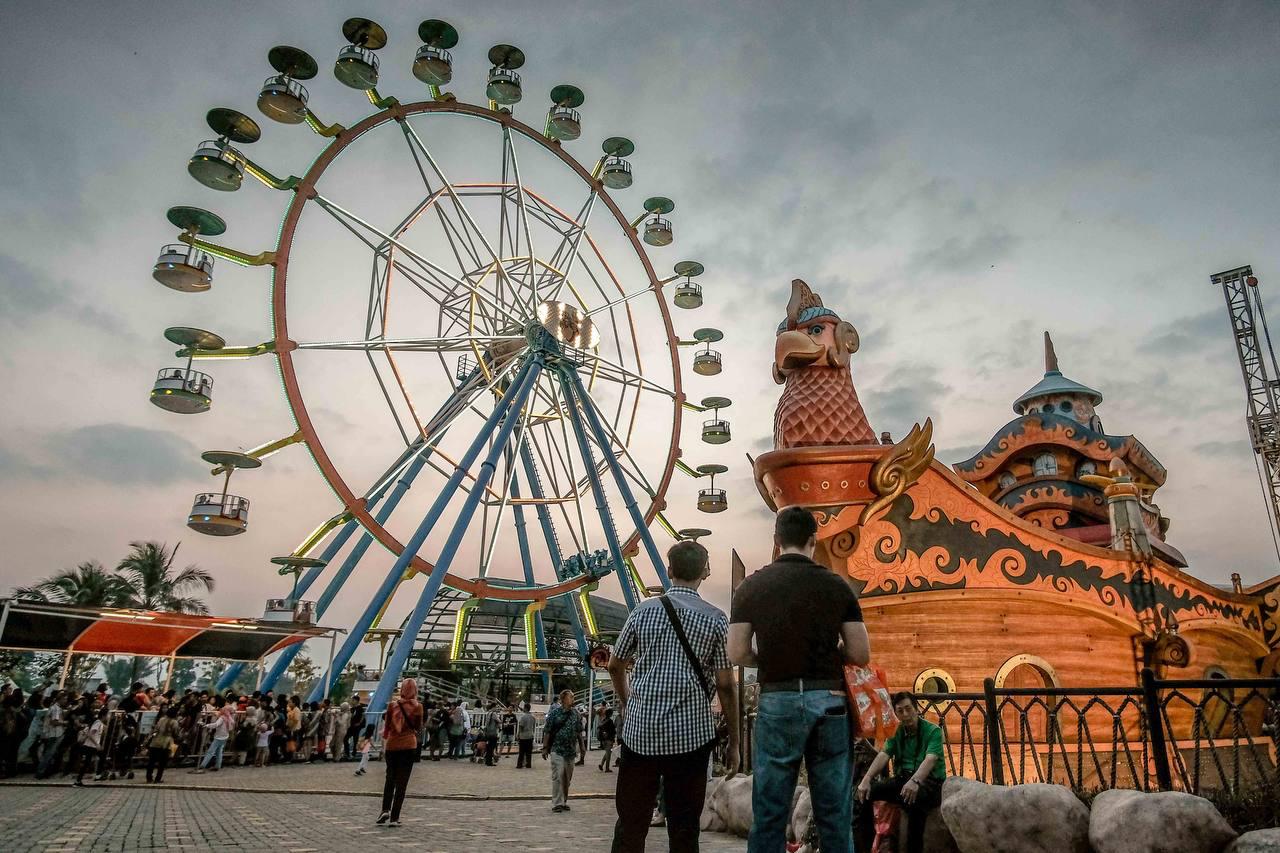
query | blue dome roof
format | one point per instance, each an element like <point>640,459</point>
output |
<point>1055,383</point>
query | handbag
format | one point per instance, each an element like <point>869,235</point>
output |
<point>684,644</point>
<point>870,708</point>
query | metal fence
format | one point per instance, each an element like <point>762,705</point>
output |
<point>1195,735</point>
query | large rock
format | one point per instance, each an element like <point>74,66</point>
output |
<point>710,821</point>
<point>731,801</point>
<point>1017,819</point>
<point>937,838</point>
<point>1163,822</point>
<point>1258,841</point>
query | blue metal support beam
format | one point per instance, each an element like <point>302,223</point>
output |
<point>553,544</point>
<point>402,484</point>
<point>566,375</point>
<point>393,576</point>
<point>628,497</point>
<point>508,413</point>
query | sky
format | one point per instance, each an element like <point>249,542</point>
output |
<point>953,178</point>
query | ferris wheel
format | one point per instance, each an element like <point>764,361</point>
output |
<point>490,319</point>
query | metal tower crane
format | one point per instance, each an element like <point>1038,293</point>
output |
<point>1261,380</point>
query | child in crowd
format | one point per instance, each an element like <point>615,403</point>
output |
<point>264,743</point>
<point>364,747</point>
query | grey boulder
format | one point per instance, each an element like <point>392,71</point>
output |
<point>1016,819</point>
<point>1258,841</point>
<point>1161,822</point>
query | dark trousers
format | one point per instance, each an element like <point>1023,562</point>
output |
<point>524,758</point>
<point>684,781</point>
<point>88,757</point>
<point>157,761</point>
<point>890,791</point>
<point>456,745</point>
<point>491,750</point>
<point>399,766</point>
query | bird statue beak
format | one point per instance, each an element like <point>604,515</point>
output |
<point>794,350</point>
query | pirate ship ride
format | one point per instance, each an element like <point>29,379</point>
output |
<point>1040,561</point>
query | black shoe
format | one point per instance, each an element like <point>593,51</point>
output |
<point>558,809</point>
<point>383,818</point>
<point>565,807</point>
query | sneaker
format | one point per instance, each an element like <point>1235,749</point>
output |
<point>556,809</point>
<point>566,807</point>
<point>383,818</point>
<point>394,823</point>
<point>197,770</point>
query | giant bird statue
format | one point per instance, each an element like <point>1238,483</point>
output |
<point>811,358</point>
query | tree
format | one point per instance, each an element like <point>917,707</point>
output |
<point>301,674</point>
<point>151,584</point>
<point>121,673</point>
<point>87,585</point>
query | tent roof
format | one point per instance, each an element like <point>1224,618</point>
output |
<point>115,631</point>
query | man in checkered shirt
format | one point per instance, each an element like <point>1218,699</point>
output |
<point>668,730</point>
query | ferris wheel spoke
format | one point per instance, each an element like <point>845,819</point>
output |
<point>462,209</point>
<point>619,447</point>
<point>447,225</point>
<point>481,297</point>
<point>567,252</point>
<point>460,343</point>
<point>523,222</point>
<point>610,370</point>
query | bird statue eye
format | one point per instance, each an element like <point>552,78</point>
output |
<point>815,330</point>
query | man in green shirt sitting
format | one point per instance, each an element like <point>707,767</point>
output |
<point>918,771</point>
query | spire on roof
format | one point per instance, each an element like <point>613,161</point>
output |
<point>1050,357</point>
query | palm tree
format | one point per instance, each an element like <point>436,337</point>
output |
<point>150,584</point>
<point>87,585</point>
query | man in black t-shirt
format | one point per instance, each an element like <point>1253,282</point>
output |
<point>807,624</point>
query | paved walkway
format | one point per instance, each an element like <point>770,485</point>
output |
<point>243,808</point>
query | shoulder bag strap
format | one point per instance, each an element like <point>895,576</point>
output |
<point>684,644</point>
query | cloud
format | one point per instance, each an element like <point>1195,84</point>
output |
<point>111,453</point>
<point>958,453</point>
<point>1222,448</point>
<point>966,254</point>
<point>906,396</point>
<point>1187,335</point>
<point>28,294</point>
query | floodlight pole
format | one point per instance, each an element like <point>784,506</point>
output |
<point>508,413</point>
<point>397,571</point>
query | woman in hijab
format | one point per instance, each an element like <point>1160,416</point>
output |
<point>400,748</point>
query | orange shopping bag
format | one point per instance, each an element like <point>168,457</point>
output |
<point>871,710</point>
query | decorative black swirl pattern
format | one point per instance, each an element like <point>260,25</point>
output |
<point>1022,565</point>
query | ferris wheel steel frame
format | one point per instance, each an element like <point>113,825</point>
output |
<point>502,308</point>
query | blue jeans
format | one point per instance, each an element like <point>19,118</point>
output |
<point>214,753</point>
<point>791,726</point>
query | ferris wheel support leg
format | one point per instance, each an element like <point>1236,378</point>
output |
<point>553,547</point>
<point>353,559</point>
<point>597,489</point>
<point>628,496</point>
<point>507,413</point>
<point>396,573</point>
<point>522,537</point>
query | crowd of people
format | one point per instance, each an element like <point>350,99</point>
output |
<point>105,735</point>
<point>795,622</point>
